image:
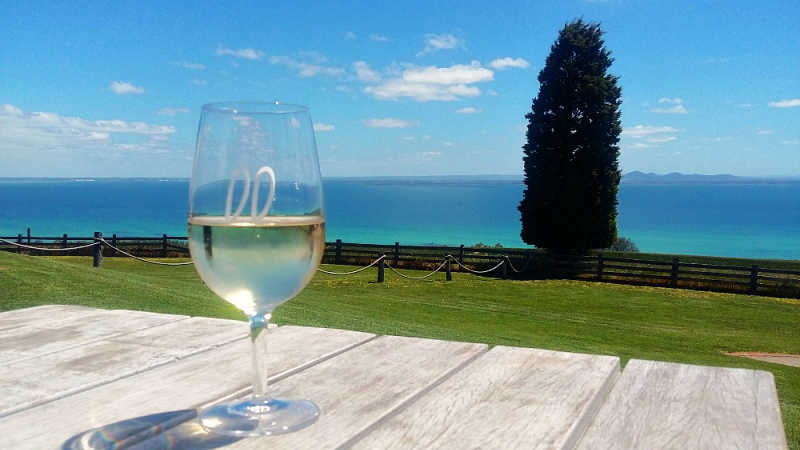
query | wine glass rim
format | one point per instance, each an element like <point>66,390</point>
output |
<point>254,107</point>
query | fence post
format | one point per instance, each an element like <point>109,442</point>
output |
<point>380,270</point>
<point>753,279</point>
<point>673,281</point>
<point>98,250</point>
<point>505,267</point>
<point>338,255</point>
<point>600,267</point>
<point>114,243</point>
<point>396,254</point>
<point>163,245</point>
<point>19,241</point>
<point>447,271</point>
<point>29,235</point>
<point>461,258</point>
<point>64,241</point>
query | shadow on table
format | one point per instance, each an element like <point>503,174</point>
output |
<point>166,430</point>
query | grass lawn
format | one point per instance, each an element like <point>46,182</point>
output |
<point>627,321</point>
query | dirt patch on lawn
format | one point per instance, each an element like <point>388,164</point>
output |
<point>777,358</point>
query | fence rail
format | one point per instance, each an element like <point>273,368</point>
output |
<point>507,263</point>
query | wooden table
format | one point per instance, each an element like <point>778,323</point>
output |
<point>74,376</point>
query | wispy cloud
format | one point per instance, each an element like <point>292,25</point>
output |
<point>764,132</point>
<point>349,35</point>
<point>504,63</point>
<point>124,88</point>
<point>791,142</point>
<point>436,42</point>
<point>243,53</point>
<point>468,110</point>
<point>433,83</point>
<point>378,38</point>
<point>647,136</point>
<point>318,127</point>
<point>191,65</point>
<point>365,73</point>
<point>172,112</point>
<point>306,69</point>
<point>46,132</point>
<point>448,143</point>
<point>676,108</point>
<point>388,123</point>
<point>197,82</point>
<point>787,103</point>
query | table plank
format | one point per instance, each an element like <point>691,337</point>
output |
<point>73,327</point>
<point>354,391</point>
<point>668,405</point>
<point>186,383</point>
<point>508,398</point>
<point>38,380</point>
<point>38,314</point>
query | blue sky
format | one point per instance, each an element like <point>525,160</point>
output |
<point>395,88</point>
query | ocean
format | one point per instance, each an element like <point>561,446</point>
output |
<point>759,220</point>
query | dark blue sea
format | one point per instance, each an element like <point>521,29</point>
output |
<point>738,220</point>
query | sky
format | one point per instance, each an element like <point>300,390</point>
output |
<point>101,89</point>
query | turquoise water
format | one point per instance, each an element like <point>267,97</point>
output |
<point>757,220</point>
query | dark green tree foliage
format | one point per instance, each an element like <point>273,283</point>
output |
<point>571,170</point>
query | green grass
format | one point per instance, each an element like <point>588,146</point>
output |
<point>628,321</point>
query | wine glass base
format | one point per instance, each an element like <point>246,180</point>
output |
<point>259,416</point>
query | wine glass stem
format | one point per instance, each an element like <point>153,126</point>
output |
<point>258,339</point>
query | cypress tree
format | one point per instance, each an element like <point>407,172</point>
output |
<point>571,169</point>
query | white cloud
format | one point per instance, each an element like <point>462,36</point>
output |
<point>647,136</point>
<point>124,88</point>
<point>409,138</point>
<point>244,53</point>
<point>396,88</point>
<point>323,127</point>
<point>306,69</point>
<point>365,73</point>
<point>659,140</point>
<point>745,105</point>
<point>172,112</point>
<point>504,63</point>
<point>791,142</point>
<point>44,131</point>
<point>448,143</point>
<point>786,103</point>
<point>349,35</point>
<point>676,108</point>
<point>429,155</point>
<point>343,88</point>
<point>427,137</point>
<point>436,42</point>
<point>191,65</point>
<point>457,74</point>
<point>199,82</point>
<point>468,110</point>
<point>640,131</point>
<point>378,38</point>
<point>764,132</point>
<point>388,123</point>
<point>433,83</point>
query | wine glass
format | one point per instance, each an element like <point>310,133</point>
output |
<point>256,236</point>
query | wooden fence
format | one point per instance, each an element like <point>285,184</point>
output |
<point>666,271</point>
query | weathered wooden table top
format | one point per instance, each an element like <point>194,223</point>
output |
<point>75,377</point>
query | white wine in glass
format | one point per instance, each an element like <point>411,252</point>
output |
<point>256,236</point>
